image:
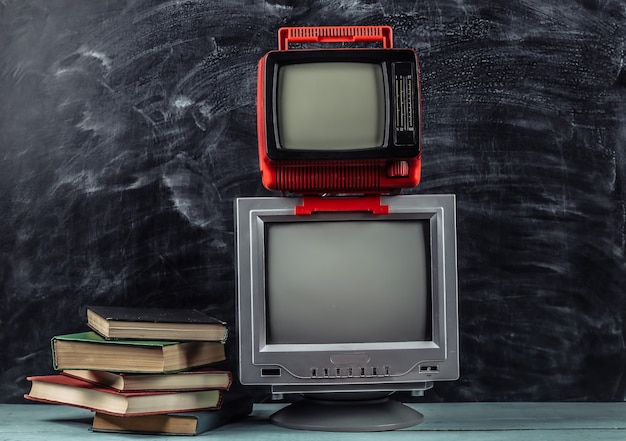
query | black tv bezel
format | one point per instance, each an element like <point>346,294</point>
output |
<point>428,231</point>
<point>387,59</point>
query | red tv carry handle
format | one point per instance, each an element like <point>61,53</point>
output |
<point>335,34</point>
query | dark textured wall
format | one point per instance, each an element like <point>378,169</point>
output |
<point>127,128</point>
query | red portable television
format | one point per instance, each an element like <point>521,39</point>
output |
<point>339,120</point>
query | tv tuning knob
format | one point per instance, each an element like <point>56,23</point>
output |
<point>398,169</point>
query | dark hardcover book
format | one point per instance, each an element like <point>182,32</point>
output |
<point>89,350</point>
<point>63,389</point>
<point>234,407</point>
<point>118,322</point>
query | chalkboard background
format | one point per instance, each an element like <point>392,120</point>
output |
<point>127,128</point>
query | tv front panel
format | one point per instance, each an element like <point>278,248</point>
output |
<point>347,301</point>
<point>339,120</point>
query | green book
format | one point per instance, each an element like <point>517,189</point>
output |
<point>88,350</point>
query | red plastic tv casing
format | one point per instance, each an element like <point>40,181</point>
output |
<point>381,175</point>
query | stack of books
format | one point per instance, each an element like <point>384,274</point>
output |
<point>144,370</point>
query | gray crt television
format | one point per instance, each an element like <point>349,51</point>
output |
<point>347,307</point>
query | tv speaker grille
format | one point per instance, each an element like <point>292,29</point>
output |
<point>328,178</point>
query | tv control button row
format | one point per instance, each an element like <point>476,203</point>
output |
<point>350,372</point>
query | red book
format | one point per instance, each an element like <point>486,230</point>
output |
<point>63,389</point>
